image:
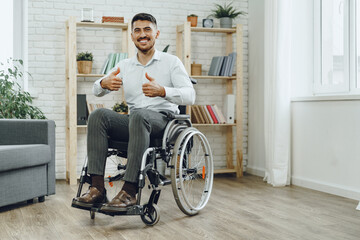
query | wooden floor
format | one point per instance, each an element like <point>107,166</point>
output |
<point>245,208</point>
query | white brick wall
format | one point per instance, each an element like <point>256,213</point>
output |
<point>47,58</point>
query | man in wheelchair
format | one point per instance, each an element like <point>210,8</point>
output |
<point>154,83</point>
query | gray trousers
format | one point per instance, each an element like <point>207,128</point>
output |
<point>135,129</point>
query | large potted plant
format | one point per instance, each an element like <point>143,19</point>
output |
<point>84,62</point>
<point>226,14</point>
<point>14,102</point>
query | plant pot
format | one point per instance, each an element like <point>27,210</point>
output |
<point>193,21</point>
<point>84,67</point>
<point>124,113</point>
<point>226,22</point>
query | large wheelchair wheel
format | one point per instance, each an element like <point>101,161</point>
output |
<point>114,172</point>
<point>192,171</point>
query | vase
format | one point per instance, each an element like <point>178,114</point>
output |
<point>225,22</point>
<point>84,67</point>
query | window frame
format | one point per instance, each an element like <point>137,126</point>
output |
<point>349,44</point>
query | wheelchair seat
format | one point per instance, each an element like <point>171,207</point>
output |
<point>123,146</point>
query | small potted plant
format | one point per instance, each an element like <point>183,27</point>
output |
<point>121,108</point>
<point>226,14</point>
<point>84,62</point>
<point>192,18</point>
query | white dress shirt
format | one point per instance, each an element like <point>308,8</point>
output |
<point>166,69</point>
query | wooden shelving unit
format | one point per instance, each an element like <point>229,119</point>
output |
<point>71,84</point>
<point>183,51</point>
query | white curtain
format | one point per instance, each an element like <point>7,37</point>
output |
<point>277,91</point>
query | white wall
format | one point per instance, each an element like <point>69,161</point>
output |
<point>46,29</point>
<point>326,146</point>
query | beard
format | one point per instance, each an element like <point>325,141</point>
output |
<point>144,49</point>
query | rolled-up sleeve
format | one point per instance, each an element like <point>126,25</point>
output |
<point>182,92</point>
<point>98,91</point>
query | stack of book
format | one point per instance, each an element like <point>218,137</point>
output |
<point>207,114</point>
<point>222,65</point>
<point>93,106</point>
<point>112,60</point>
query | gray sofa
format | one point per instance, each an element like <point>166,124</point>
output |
<point>27,160</point>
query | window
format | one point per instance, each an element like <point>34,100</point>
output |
<point>337,46</point>
<point>6,43</point>
<point>13,19</point>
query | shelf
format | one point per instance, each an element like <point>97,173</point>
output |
<point>72,78</point>
<point>211,125</point>
<point>216,30</point>
<point>102,25</point>
<point>225,170</point>
<point>214,77</point>
<point>184,42</point>
<point>90,75</point>
<point>180,28</point>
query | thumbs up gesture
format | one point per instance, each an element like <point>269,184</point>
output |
<point>112,82</point>
<point>152,88</point>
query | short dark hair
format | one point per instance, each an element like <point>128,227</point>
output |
<point>143,17</point>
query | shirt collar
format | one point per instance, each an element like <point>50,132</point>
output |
<point>156,57</point>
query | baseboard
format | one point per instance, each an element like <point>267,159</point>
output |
<point>255,171</point>
<point>326,187</point>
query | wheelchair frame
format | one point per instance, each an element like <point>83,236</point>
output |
<point>178,127</point>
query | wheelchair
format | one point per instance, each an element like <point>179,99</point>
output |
<point>183,149</point>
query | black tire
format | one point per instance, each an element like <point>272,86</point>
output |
<point>151,214</point>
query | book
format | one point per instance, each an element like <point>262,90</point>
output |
<point>208,116</point>
<point>218,65</point>
<point>112,60</point>
<point>109,65</point>
<point>215,121</point>
<point>220,114</point>
<point>231,64</point>
<point>212,67</point>
<point>223,66</point>
<point>93,106</point>
<point>202,117</point>
<point>194,115</point>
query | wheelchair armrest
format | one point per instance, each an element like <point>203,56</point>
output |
<point>181,116</point>
<point>172,116</point>
<point>193,80</point>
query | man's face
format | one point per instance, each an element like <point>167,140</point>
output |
<point>144,34</point>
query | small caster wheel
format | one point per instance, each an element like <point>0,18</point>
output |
<point>42,199</point>
<point>151,214</point>
<point>92,214</point>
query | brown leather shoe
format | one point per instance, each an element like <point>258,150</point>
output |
<point>119,203</point>
<point>92,198</point>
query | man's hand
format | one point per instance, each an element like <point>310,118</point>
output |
<point>112,82</point>
<point>152,88</point>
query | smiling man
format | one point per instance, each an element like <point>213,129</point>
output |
<point>154,82</point>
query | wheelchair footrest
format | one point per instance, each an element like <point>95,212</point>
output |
<point>132,210</point>
<point>84,206</point>
<point>166,182</point>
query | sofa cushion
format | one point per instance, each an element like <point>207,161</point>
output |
<point>21,156</point>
